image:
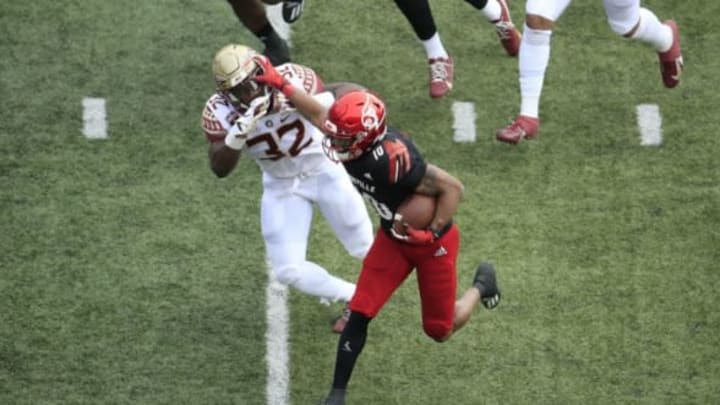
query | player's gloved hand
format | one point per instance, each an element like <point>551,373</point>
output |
<point>412,235</point>
<point>244,124</point>
<point>419,236</point>
<point>235,139</point>
<point>271,77</point>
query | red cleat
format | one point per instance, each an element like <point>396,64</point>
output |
<point>341,321</point>
<point>522,127</point>
<point>671,61</point>
<point>506,31</point>
<point>441,76</point>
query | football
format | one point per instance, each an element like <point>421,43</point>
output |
<point>418,210</point>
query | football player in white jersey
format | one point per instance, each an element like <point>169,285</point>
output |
<point>625,18</point>
<point>244,116</point>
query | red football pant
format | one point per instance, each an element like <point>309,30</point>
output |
<point>389,262</point>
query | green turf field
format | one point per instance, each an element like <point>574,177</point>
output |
<point>129,274</point>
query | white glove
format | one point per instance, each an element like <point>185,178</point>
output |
<point>244,124</point>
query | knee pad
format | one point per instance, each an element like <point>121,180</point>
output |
<point>438,331</point>
<point>288,274</point>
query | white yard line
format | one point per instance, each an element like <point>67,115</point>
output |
<point>650,124</point>
<point>94,118</point>
<point>274,14</point>
<point>278,317</point>
<point>464,124</point>
<point>276,338</point>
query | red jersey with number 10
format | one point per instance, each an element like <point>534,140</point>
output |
<point>388,173</point>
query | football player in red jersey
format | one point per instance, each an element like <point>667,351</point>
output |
<point>625,18</point>
<point>246,117</point>
<point>252,15</point>
<point>387,168</point>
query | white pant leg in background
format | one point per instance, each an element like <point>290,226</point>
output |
<point>286,217</point>
<point>344,209</point>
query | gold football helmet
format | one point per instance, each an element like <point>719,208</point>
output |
<point>234,67</point>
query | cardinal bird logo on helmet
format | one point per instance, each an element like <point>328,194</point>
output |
<point>355,121</point>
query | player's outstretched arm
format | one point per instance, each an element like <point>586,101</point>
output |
<point>303,102</point>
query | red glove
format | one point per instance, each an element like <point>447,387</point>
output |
<point>414,236</point>
<point>272,77</point>
<point>419,236</point>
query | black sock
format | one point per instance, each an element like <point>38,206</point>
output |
<point>420,17</point>
<point>350,345</point>
<point>267,32</point>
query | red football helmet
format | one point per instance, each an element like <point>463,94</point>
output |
<point>355,121</point>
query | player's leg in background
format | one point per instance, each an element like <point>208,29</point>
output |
<point>628,19</point>
<point>533,60</point>
<point>419,15</point>
<point>498,13</point>
<point>252,15</point>
<point>285,220</point>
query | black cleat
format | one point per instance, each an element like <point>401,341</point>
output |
<point>292,10</point>
<point>486,282</point>
<point>276,49</point>
<point>336,397</point>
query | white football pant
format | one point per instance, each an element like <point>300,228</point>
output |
<point>286,216</point>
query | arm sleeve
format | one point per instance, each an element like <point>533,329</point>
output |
<point>302,77</point>
<point>214,127</point>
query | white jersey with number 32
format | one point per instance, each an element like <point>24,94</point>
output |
<point>283,142</point>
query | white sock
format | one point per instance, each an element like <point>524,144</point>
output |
<point>652,31</point>
<point>434,47</point>
<point>492,11</point>
<point>533,61</point>
<point>315,280</point>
